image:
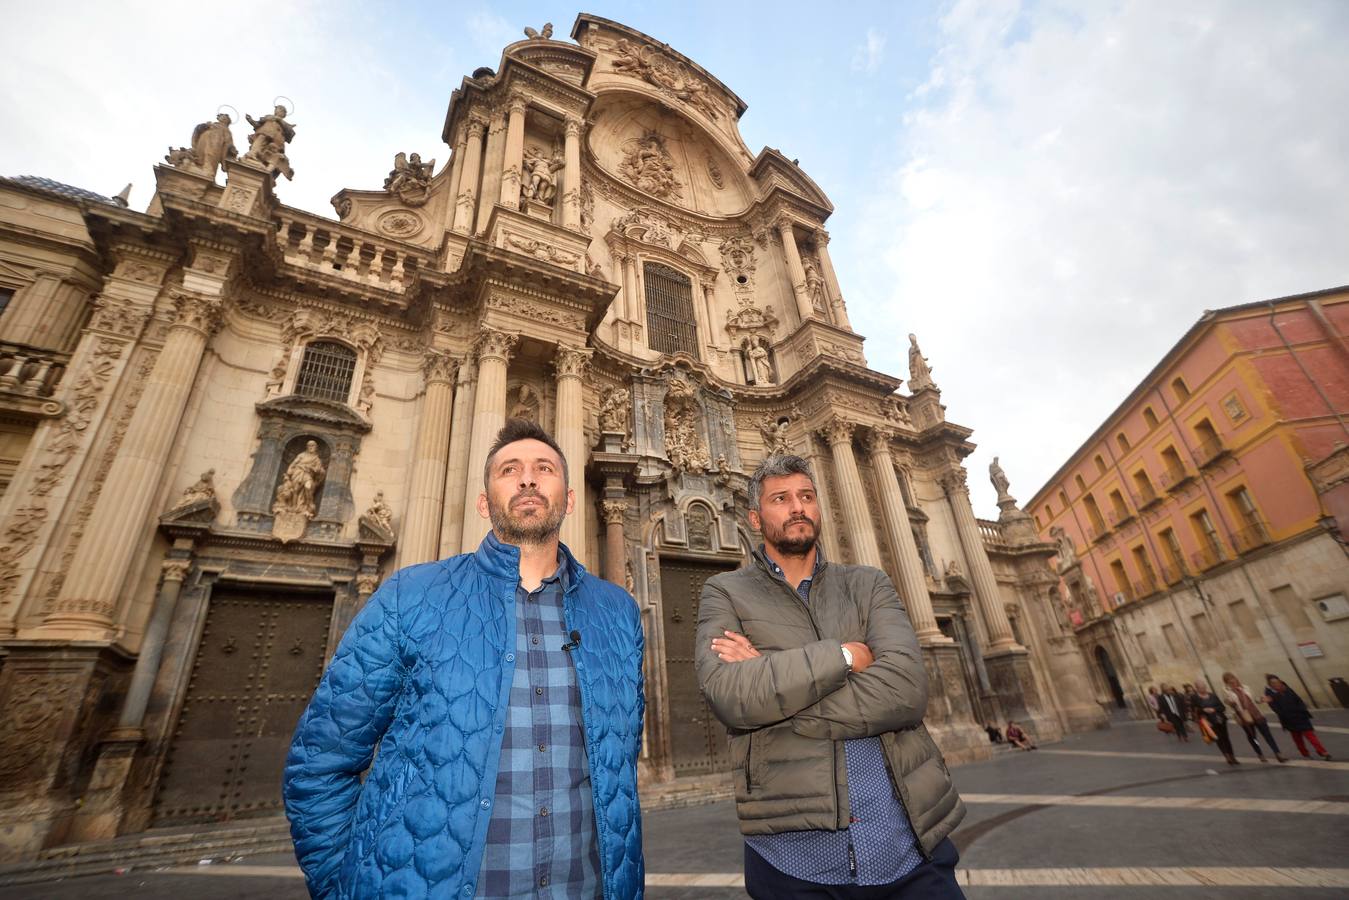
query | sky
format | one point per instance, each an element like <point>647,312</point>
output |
<point>1047,193</point>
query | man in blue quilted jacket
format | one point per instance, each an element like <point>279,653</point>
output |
<point>502,690</point>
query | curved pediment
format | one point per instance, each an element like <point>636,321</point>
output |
<point>665,155</point>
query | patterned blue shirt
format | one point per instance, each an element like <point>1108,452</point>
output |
<point>879,846</point>
<point>541,838</point>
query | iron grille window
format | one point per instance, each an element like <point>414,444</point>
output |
<point>326,371</point>
<point>670,325</point>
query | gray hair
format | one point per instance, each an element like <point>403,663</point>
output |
<point>776,467</point>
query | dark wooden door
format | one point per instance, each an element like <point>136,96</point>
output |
<point>697,739</point>
<point>259,660</point>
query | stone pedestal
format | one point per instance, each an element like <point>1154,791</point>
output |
<point>101,810</point>
<point>950,714</point>
<point>1013,681</point>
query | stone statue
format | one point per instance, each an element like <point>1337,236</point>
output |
<point>545,35</point>
<point>526,404</point>
<point>410,179</point>
<point>814,281</point>
<point>212,144</point>
<point>648,166</point>
<point>723,476</point>
<point>999,479</point>
<point>539,181</point>
<point>775,435</point>
<point>300,484</point>
<point>759,364</point>
<point>683,445</point>
<point>953,570</point>
<point>380,513</point>
<point>202,491</point>
<point>615,410</point>
<point>267,143</point>
<point>1067,552</point>
<point>920,374</point>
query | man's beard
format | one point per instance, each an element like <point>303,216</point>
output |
<point>792,546</point>
<point>534,527</point>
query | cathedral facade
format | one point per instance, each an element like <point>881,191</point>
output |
<point>223,421</point>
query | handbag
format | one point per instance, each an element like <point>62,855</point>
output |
<point>1207,730</point>
<point>1165,727</point>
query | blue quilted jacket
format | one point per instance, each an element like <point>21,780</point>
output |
<point>424,675</point>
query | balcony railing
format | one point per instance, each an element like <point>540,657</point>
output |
<point>1145,587</point>
<point>1097,532</point>
<point>1173,479</point>
<point>1118,517</point>
<point>338,250</point>
<point>1171,574</point>
<point>1147,496</point>
<point>29,371</point>
<point>1210,451</point>
<point>1206,558</point>
<point>1254,535</point>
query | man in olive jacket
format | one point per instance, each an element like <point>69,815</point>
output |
<point>815,671</point>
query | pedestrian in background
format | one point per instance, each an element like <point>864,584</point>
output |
<point>1171,706</point>
<point>1018,738</point>
<point>1293,715</point>
<point>1212,714</point>
<point>1250,718</point>
<point>1152,702</point>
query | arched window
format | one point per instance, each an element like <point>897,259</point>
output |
<point>326,371</point>
<point>670,324</point>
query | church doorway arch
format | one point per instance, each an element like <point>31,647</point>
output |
<point>1108,673</point>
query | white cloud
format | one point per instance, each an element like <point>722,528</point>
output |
<point>1078,181</point>
<point>870,53</point>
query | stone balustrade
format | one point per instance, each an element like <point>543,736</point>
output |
<point>348,253</point>
<point>30,371</point>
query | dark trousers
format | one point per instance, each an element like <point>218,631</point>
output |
<point>1224,741</point>
<point>1263,727</point>
<point>1178,723</point>
<point>934,878</point>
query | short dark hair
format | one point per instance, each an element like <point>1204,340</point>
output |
<point>776,467</point>
<point>522,430</point>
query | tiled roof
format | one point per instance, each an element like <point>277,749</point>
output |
<point>56,187</point>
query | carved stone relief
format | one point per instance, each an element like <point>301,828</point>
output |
<point>648,166</point>
<point>669,76</point>
<point>410,179</point>
<point>684,446</point>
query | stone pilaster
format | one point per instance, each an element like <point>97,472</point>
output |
<point>493,162</point>
<point>456,176</point>
<point>571,177</point>
<point>571,364</point>
<point>494,351</point>
<point>635,307</point>
<point>838,433</point>
<point>913,583</point>
<point>458,479</point>
<point>612,512</point>
<point>831,281</point>
<point>514,152</point>
<point>795,270</point>
<point>981,570</point>
<point>466,202</point>
<point>90,596</point>
<point>420,539</point>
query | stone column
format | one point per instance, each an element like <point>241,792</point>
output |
<point>571,178</point>
<point>851,494</point>
<point>569,432</point>
<point>795,271</point>
<point>831,281</point>
<point>635,305</point>
<point>494,158</point>
<point>494,349</point>
<point>456,176</point>
<point>152,643</point>
<point>457,476</point>
<point>981,570</point>
<point>467,201</point>
<point>420,539</point>
<point>615,549</point>
<point>913,584</point>
<point>515,152</point>
<point>90,596</point>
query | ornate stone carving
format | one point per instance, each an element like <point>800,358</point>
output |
<point>669,76</point>
<point>698,522</point>
<point>267,143</point>
<point>539,179</point>
<point>760,366</point>
<point>541,251</point>
<point>737,259</point>
<point>878,441</point>
<point>684,446</point>
<point>400,223</point>
<point>648,226</point>
<point>118,318</point>
<point>774,431</point>
<point>439,366</point>
<point>587,207</point>
<point>212,144</point>
<point>176,569</point>
<point>814,283</point>
<point>920,374</point>
<point>953,481</point>
<point>494,343</point>
<point>342,206</point>
<point>615,411</point>
<point>33,708</point>
<point>1000,482</point>
<point>723,476</point>
<point>648,166</point>
<point>198,498</point>
<point>379,514</point>
<point>1067,552</point>
<point>750,320</point>
<point>366,584</point>
<point>613,511</point>
<point>294,505</point>
<point>523,402</point>
<point>527,309</point>
<point>571,362</point>
<point>197,311</point>
<point>838,431</point>
<point>714,173</point>
<point>896,410</point>
<point>410,179</point>
<point>545,35</point>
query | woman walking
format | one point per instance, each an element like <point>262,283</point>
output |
<point>1293,715</point>
<point>1248,715</point>
<point>1209,710</point>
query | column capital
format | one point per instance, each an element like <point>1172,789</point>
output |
<point>197,311</point>
<point>571,362</point>
<point>366,584</point>
<point>477,126</point>
<point>954,481</point>
<point>439,366</point>
<point>495,344</point>
<point>878,440</point>
<point>838,431</point>
<point>612,511</point>
<point>784,224</point>
<point>517,103</point>
<point>821,238</point>
<point>176,569</point>
<point>574,126</point>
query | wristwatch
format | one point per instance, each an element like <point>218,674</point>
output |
<point>847,656</point>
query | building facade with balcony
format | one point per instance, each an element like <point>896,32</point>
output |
<point>1202,527</point>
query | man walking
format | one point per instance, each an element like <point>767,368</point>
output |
<point>503,692</point>
<point>1172,708</point>
<point>814,668</point>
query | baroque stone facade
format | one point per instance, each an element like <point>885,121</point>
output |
<point>201,399</point>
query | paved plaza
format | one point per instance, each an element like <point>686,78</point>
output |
<point>1127,813</point>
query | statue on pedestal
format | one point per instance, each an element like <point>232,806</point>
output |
<point>920,374</point>
<point>294,505</point>
<point>212,144</point>
<point>267,143</point>
<point>410,179</point>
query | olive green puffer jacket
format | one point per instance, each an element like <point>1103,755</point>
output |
<point>789,710</point>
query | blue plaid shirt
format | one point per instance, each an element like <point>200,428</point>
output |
<point>879,847</point>
<point>541,838</point>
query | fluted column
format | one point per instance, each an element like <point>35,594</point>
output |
<point>571,177</point>
<point>89,597</point>
<point>420,539</point>
<point>912,583</point>
<point>494,349</point>
<point>458,479</point>
<point>795,270</point>
<point>981,570</point>
<point>831,280</point>
<point>615,549</point>
<point>839,435</point>
<point>515,152</point>
<point>569,432</point>
<point>467,199</point>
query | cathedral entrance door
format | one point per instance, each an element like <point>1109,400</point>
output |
<point>259,660</point>
<point>697,739</point>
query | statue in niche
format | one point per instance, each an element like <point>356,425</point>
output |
<point>647,166</point>
<point>615,410</point>
<point>999,478</point>
<point>267,143</point>
<point>540,175</point>
<point>1067,552</point>
<point>814,282</point>
<point>410,179</point>
<point>379,513</point>
<point>300,484</point>
<point>212,144</point>
<point>761,368</point>
<point>683,445</point>
<point>699,524</point>
<point>526,405</point>
<point>774,433</point>
<point>545,35</point>
<point>920,374</point>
